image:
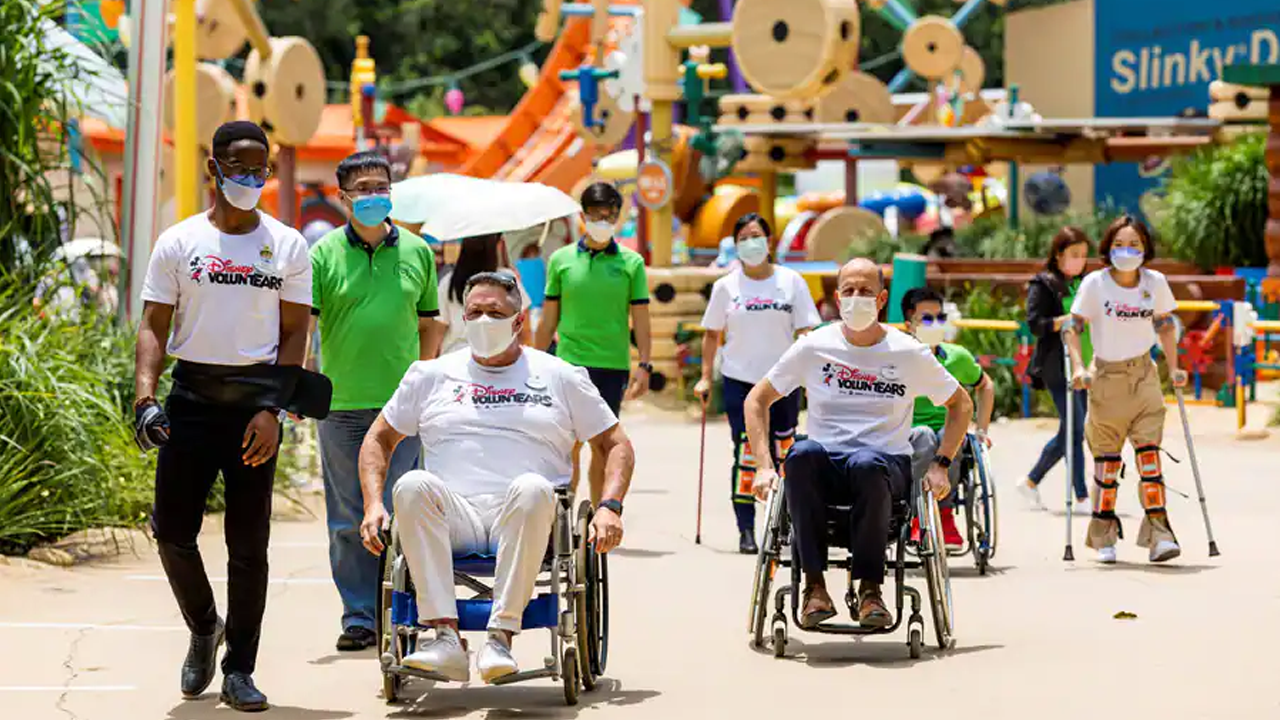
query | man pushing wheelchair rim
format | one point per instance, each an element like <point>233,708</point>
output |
<point>861,378</point>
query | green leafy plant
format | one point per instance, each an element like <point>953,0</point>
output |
<point>981,302</point>
<point>1214,205</point>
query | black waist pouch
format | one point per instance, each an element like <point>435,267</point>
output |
<point>263,385</point>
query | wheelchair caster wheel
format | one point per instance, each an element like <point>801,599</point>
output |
<point>391,686</point>
<point>779,641</point>
<point>915,642</point>
<point>571,677</point>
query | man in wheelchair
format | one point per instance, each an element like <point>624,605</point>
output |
<point>497,422</point>
<point>861,379</point>
<point>922,310</point>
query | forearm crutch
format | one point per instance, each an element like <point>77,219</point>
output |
<point>1069,452</point>
<point>1195,471</point>
<point>702,456</point>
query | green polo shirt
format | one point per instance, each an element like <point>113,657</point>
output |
<point>963,367</point>
<point>596,289</point>
<point>368,301</point>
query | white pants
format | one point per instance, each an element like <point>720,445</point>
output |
<point>435,522</point>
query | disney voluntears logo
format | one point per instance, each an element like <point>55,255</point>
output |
<point>1125,311</point>
<point>221,271</point>
<point>853,381</point>
<point>478,395</point>
<point>759,304</point>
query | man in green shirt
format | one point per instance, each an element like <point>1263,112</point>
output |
<point>373,297</point>
<point>922,309</point>
<point>597,293</point>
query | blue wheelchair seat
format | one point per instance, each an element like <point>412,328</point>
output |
<point>473,614</point>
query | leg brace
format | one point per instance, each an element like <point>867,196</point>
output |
<point>744,470</point>
<point>1107,471</point>
<point>1151,491</point>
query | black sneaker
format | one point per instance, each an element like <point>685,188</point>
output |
<point>239,692</point>
<point>747,542</point>
<point>356,638</point>
<point>199,667</point>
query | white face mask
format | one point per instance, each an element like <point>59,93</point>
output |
<point>1126,259</point>
<point>600,230</point>
<point>753,250</point>
<point>932,334</point>
<point>490,336</point>
<point>859,312</point>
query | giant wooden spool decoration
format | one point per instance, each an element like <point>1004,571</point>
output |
<point>219,32</point>
<point>932,47</point>
<point>763,110</point>
<point>973,71</point>
<point>857,98</point>
<point>842,231</point>
<point>286,91</point>
<point>716,216</point>
<point>215,100</point>
<point>796,48</point>
<point>613,122</point>
<point>776,154</point>
<point>1237,103</point>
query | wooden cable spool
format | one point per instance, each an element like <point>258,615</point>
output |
<point>1220,91</point>
<point>1232,111</point>
<point>690,304</point>
<point>614,125</point>
<point>858,97</point>
<point>716,216</point>
<point>219,32</point>
<point>795,49</point>
<point>286,91</point>
<point>842,231</point>
<point>973,71</point>
<point>215,100</point>
<point>683,279</point>
<point>932,47</point>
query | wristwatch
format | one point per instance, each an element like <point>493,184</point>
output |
<point>281,413</point>
<point>646,366</point>
<point>614,505</point>
<point>942,461</point>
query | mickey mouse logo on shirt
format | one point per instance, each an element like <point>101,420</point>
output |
<point>535,383</point>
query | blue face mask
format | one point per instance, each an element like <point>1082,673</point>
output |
<point>242,191</point>
<point>1126,259</point>
<point>371,210</point>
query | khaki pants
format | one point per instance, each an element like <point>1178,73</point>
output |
<point>1125,402</point>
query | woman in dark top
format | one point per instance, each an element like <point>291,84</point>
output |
<point>1049,297</point>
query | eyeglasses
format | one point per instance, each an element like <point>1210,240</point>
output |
<point>930,318</point>
<point>235,169</point>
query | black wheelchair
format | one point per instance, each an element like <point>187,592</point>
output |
<point>571,600</point>
<point>929,555</point>
<point>976,497</point>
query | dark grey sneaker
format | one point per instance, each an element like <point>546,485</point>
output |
<point>199,667</point>
<point>356,638</point>
<point>239,692</point>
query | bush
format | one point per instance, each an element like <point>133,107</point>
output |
<point>980,302</point>
<point>1214,205</point>
<point>991,238</point>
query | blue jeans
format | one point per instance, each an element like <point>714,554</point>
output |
<point>1055,449</point>
<point>355,569</point>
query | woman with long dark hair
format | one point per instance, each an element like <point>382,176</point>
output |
<point>484,253</point>
<point>1049,298</point>
<point>754,314</point>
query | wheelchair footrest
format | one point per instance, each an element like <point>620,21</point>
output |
<point>473,615</point>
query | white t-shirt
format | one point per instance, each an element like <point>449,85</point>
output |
<point>760,319</point>
<point>862,396</point>
<point>227,288</point>
<point>1121,319</point>
<point>451,314</point>
<point>481,427</point>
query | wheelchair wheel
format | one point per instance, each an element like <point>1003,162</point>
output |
<point>986,498</point>
<point>915,643</point>
<point>934,558</point>
<point>591,603</point>
<point>766,566</point>
<point>570,675</point>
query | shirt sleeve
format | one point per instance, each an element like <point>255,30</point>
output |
<point>1165,303</point>
<point>1086,301</point>
<point>429,302</point>
<point>931,379</point>
<point>715,317</point>
<point>297,271</point>
<point>964,367</point>
<point>161,285</point>
<point>788,373</point>
<point>589,414</point>
<point>404,408</point>
<point>639,282</point>
<point>804,313</point>
<point>553,278</point>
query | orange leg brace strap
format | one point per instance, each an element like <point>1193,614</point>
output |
<point>1107,470</point>
<point>744,470</point>
<point>1152,479</point>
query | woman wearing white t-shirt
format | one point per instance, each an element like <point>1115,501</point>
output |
<point>758,308</point>
<point>484,253</point>
<point>1127,306</point>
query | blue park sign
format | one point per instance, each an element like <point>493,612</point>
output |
<point>1156,58</point>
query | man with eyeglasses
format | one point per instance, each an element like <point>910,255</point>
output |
<point>922,309</point>
<point>234,285</point>
<point>374,294</point>
<point>497,426</point>
<point>861,379</point>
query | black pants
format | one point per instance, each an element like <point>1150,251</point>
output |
<point>865,479</point>
<point>204,440</point>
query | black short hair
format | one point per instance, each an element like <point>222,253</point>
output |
<point>360,163</point>
<point>915,296</point>
<point>601,195</point>
<point>230,132</point>
<point>749,218</point>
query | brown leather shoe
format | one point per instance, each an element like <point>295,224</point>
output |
<point>817,607</point>
<point>872,612</point>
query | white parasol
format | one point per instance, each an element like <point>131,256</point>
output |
<point>452,207</point>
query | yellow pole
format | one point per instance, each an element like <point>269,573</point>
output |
<point>769,198</point>
<point>185,143</point>
<point>1240,410</point>
<point>661,219</point>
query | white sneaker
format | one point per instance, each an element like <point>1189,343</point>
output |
<point>1164,550</point>
<point>443,655</point>
<point>1031,494</point>
<point>1082,508</point>
<point>1107,555</point>
<point>495,661</point>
